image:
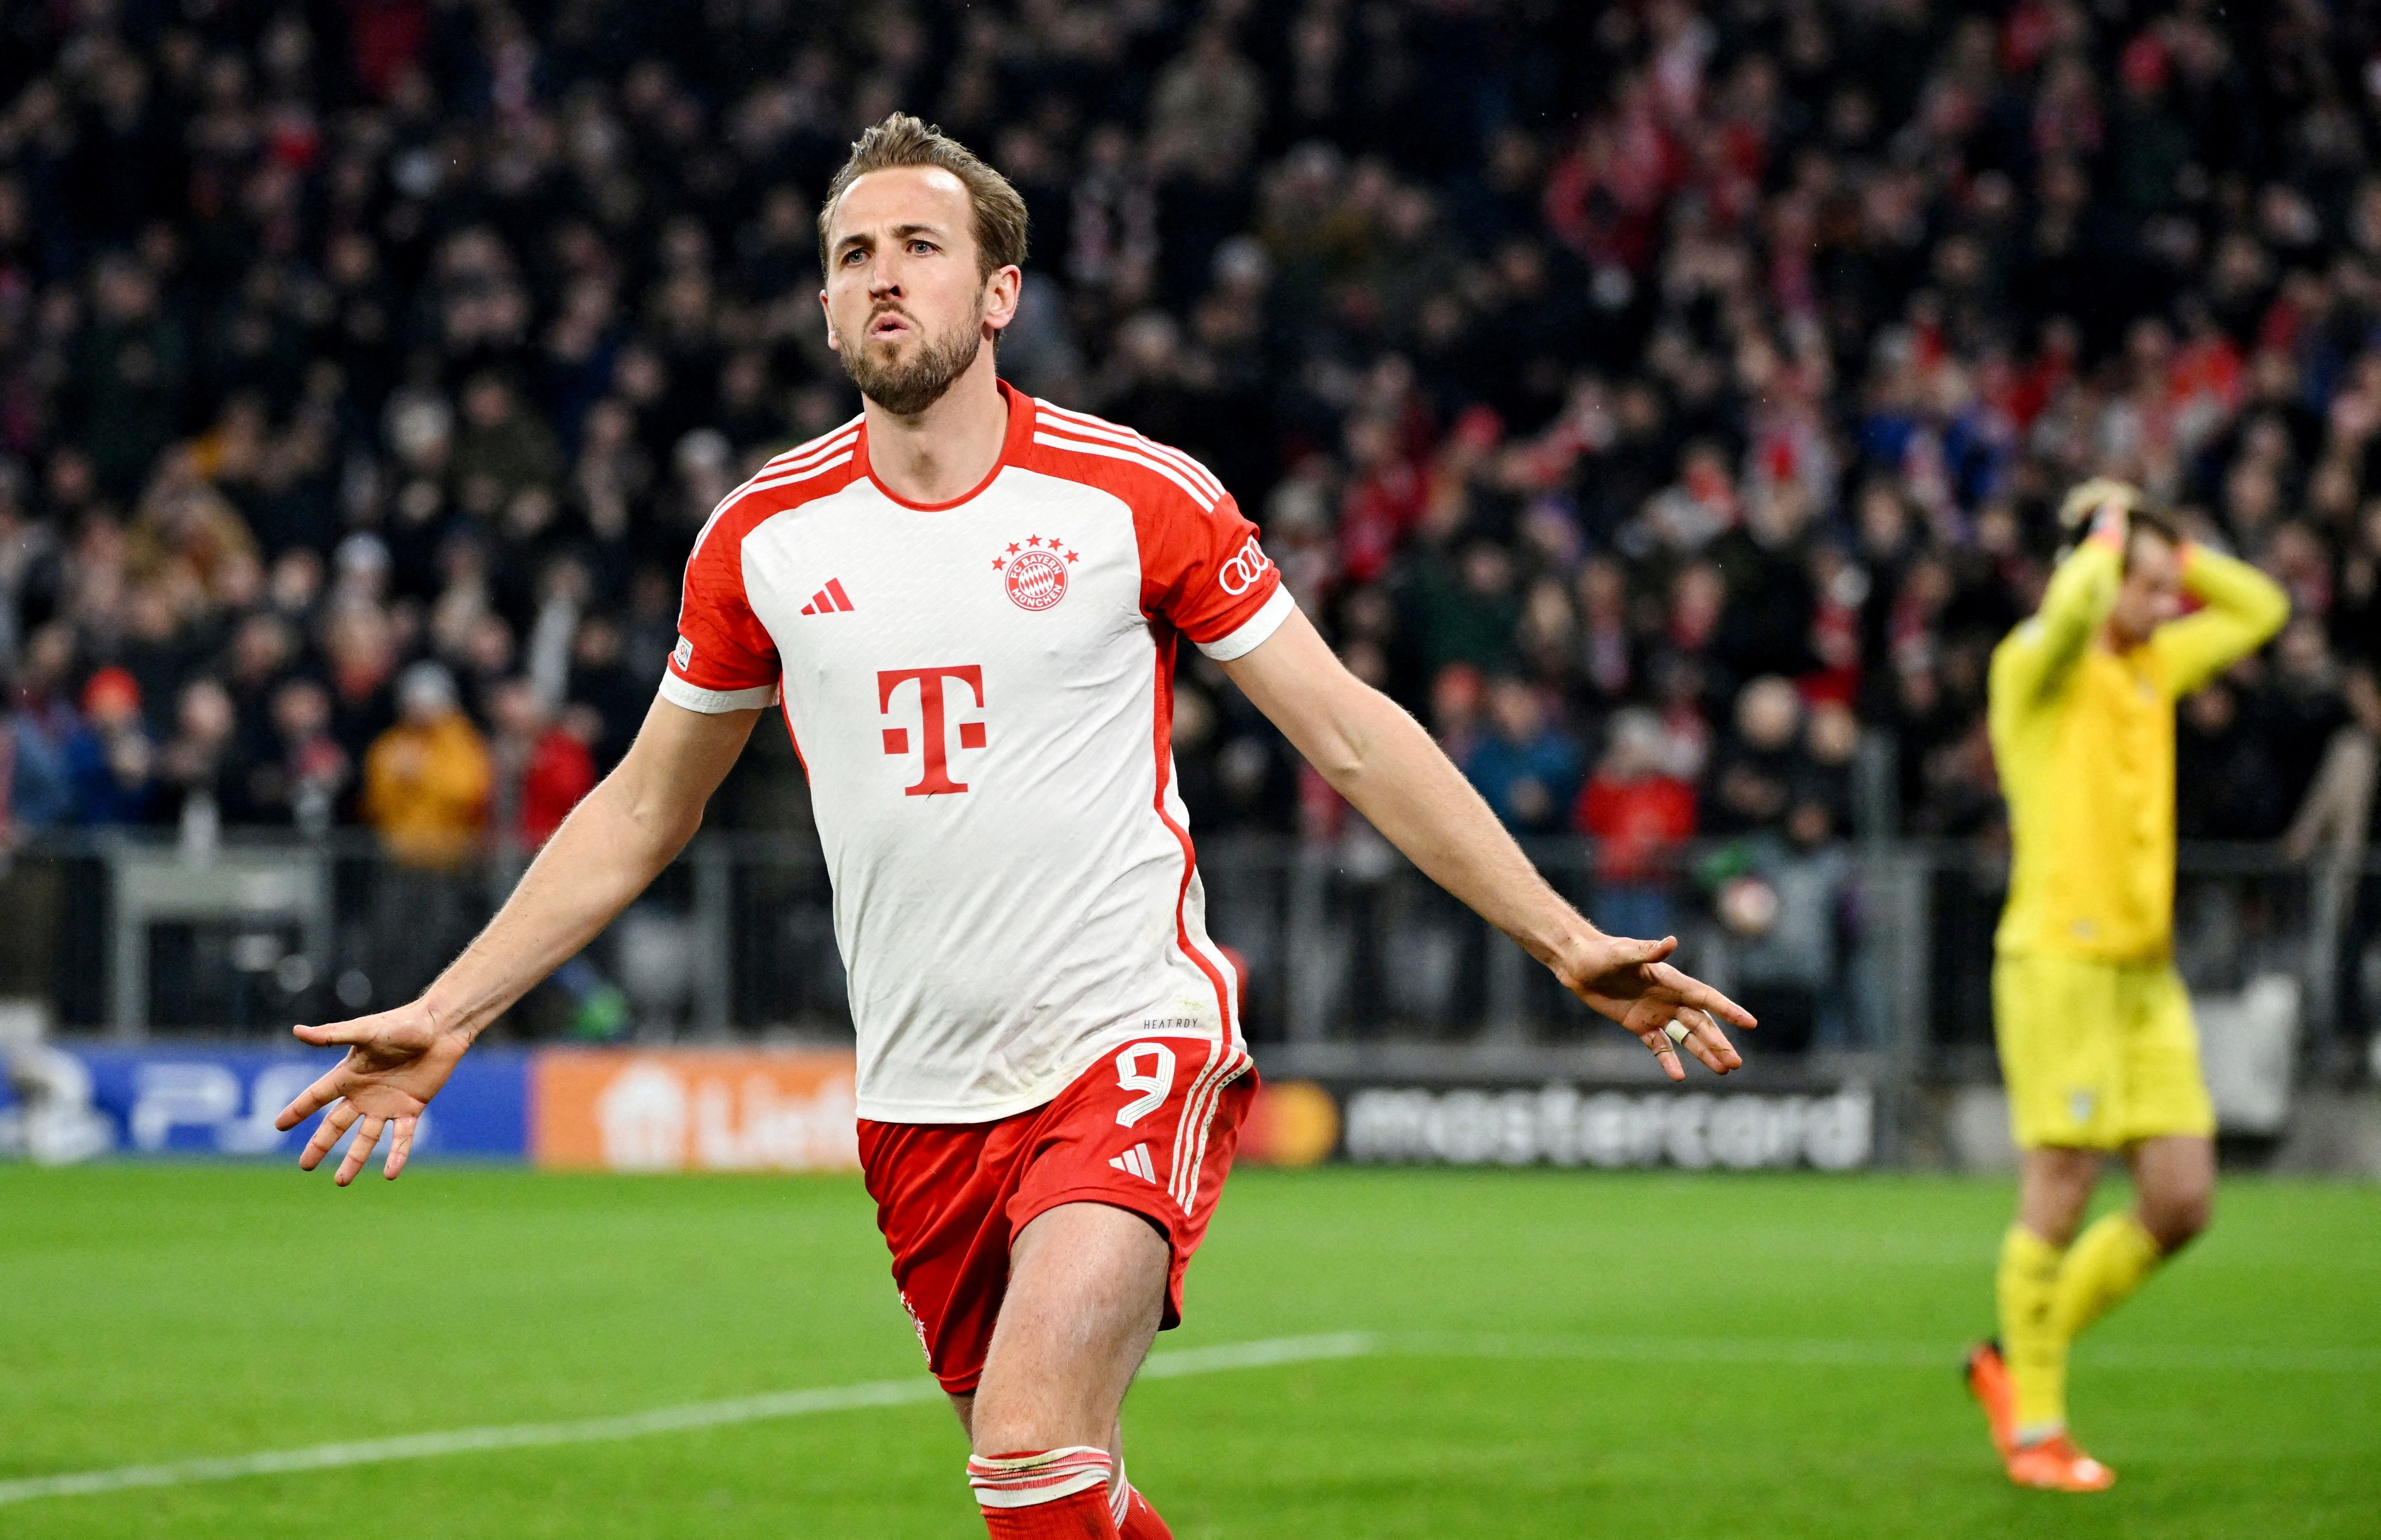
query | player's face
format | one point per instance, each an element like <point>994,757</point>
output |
<point>906,306</point>
<point>2152,593</point>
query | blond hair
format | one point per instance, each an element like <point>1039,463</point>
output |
<point>902,140</point>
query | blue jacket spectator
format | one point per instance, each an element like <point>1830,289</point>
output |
<point>1525,766</point>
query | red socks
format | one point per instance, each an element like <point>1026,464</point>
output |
<point>1045,1494</point>
<point>1071,1494</point>
<point>1084,1516</point>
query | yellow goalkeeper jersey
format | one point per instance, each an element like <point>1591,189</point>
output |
<point>2084,738</point>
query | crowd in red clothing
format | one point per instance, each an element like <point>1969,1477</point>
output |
<point>1592,370</point>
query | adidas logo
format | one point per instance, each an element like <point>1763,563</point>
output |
<point>828,600</point>
<point>1135,1162</point>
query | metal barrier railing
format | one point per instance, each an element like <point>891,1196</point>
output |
<point>1881,949</point>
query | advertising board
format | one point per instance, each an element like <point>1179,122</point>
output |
<point>693,1109</point>
<point>1563,1124</point>
<point>746,1109</point>
<point>214,1099</point>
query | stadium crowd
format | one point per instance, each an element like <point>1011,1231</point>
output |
<point>1651,396</point>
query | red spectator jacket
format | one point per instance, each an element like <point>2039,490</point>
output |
<point>560,772</point>
<point>1633,822</point>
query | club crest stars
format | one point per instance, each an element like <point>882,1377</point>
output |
<point>1035,570</point>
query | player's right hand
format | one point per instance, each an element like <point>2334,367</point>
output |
<point>396,1060</point>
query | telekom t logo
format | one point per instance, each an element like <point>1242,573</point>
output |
<point>937,776</point>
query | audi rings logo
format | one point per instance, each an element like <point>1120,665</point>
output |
<point>1241,572</point>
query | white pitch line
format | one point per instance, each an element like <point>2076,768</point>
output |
<point>636,1424</point>
<point>1174,1364</point>
<point>1879,1356</point>
<point>1259,1355</point>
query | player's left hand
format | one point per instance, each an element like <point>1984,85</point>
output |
<point>1630,982</point>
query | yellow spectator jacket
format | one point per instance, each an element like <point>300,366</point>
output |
<point>2084,739</point>
<point>426,789</point>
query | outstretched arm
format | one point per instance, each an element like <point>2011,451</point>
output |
<point>1379,758</point>
<point>614,842</point>
<point>2242,609</point>
<point>2036,658</point>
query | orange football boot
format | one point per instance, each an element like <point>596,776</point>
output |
<point>2057,1465</point>
<point>1988,1381</point>
<point>2054,1464</point>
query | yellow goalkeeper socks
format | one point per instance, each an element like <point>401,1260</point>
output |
<point>2032,1343</point>
<point>2049,1296</point>
<point>2103,1268</point>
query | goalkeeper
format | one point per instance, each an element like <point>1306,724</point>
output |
<point>2095,1030</point>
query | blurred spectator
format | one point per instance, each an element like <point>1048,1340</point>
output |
<point>1786,917</point>
<point>1469,616</point>
<point>2337,828</point>
<point>543,767</point>
<point>2228,783</point>
<point>1635,807</point>
<point>601,685</point>
<point>360,643</point>
<point>1455,698</point>
<point>1526,767</point>
<point>1831,740</point>
<point>199,768</point>
<point>1607,661</point>
<point>502,455</point>
<point>118,783</point>
<point>1205,108</point>
<point>2302,710</point>
<point>122,397</point>
<point>47,738</point>
<point>303,774</point>
<point>426,779</point>
<point>1760,770</point>
<point>1642,353</point>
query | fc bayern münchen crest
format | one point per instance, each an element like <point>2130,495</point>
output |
<point>1035,571</point>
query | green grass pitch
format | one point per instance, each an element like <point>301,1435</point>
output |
<point>1551,1354</point>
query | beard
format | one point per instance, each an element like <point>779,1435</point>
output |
<point>907,389</point>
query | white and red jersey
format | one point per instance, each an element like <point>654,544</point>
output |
<point>981,692</point>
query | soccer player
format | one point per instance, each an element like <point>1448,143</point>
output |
<point>967,604</point>
<point>2095,1030</point>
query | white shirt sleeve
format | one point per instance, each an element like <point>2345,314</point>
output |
<point>1245,639</point>
<point>677,692</point>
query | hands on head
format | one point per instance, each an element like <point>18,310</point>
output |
<point>2098,507</point>
<point>2111,522</point>
<point>1631,982</point>
<point>396,1060</point>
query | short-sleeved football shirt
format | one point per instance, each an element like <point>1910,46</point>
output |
<point>982,693</point>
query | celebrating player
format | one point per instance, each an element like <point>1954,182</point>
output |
<point>2096,1043</point>
<point>968,602</point>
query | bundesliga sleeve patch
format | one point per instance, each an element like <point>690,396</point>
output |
<point>683,653</point>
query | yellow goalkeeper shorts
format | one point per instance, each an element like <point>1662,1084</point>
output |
<point>2096,1054</point>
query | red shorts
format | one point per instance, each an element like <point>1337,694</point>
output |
<point>1149,1128</point>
